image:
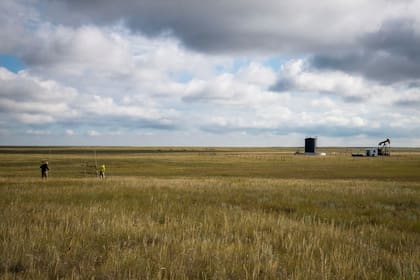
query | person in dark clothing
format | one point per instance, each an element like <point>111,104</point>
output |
<point>44,170</point>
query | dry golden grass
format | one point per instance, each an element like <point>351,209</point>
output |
<point>211,227</point>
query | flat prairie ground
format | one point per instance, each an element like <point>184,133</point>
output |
<point>208,213</point>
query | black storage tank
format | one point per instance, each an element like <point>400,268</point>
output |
<point>310,145</point>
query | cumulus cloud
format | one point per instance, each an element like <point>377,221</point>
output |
<point>70,132</point>
<point>186,72</point>
<point>297,76</point>
<point>93,133</point>
<point>224,89</point>
<point>300,76</point>
<point>13,21</point>
<point>388,55</point>
<point>38,132</point>
<point>33,101</point>
<point>240,26</point>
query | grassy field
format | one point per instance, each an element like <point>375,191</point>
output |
<point>204,213</point>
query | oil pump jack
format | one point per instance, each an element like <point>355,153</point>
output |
<point>384,148</point>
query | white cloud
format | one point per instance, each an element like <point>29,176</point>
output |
<point>13,17</point>
<point>93,133</point>
<point>70,132</point>
<point>32,100</point>
<point>38,132</point>
<point>297,76</point>
<point>247,87</point>
<point>108,80</point>
<point>238,26</point>
<point>258,74</point>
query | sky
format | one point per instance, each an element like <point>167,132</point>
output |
<point>209,73</point>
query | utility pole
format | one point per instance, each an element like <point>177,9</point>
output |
<point>96,163</point>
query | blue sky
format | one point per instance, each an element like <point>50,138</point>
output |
<point>218,73</point>
<point>11,63</point>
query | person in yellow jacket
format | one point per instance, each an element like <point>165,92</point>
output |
<point>102,171</point>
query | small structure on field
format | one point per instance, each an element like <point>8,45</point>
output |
<point>383,149</point>
<point>310,145</point>
<point>310,148</point>
<point>371,152</point>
